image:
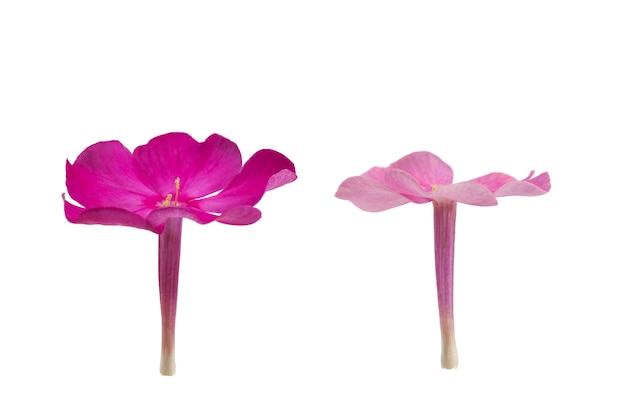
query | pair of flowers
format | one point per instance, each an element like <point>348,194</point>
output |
<point>174,177</point>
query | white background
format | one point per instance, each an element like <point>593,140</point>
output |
<point>319,309</point>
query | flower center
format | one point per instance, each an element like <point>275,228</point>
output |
<point>434,187</point>
<point>168,200</point>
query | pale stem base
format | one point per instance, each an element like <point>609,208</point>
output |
<point>169,262</point>
<point>449,356</point>
<point>168,363</point>
<point>444,227</point>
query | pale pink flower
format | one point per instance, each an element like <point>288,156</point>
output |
<point>422,177</point>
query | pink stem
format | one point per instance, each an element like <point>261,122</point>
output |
<point>169,261</point>
<point>445,218</point>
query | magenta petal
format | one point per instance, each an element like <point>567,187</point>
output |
<point>240,216</point>
<point>427,168</point>
<point>157,218</point>
<point>202,168</point>
<point>112,216</point>
<point>265,170</point>
<point>105,175</point>
<point>369,195</point>
<point>467,193</point>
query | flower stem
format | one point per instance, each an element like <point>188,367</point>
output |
<point>445,218</point>
<point>169,261</point>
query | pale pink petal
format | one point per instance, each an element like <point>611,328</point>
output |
<point>494,180</point>
<point>376,174</point>
<point>281,178</point>
<point>240,216</point>
<point>111,216</point>
<point>399,181</point>
<point>265,170</point>
<point>105,175</point>
<point>403,183</point>
<point>427,168</point>
<point>528,187</point>
<point>369,195</point>
<point>202,168</point>
<point>542,181</point>
<point>465,192</point>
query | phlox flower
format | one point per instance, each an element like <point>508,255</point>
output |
<point>422,177</point>
<point>171,177</point>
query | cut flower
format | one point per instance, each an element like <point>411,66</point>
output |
<point>170,178</point>
<point>422,177</point>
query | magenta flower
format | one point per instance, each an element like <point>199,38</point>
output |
<point>170,178</point>
<point>422,177</point>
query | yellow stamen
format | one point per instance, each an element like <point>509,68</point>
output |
<point>434,187</point>
<point>167,201</point>
<point>177,183</point>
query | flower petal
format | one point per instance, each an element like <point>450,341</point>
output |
<point>528,187</point>
<point>240,216</point>
<point>105,175</point>
<point>403,183</point>
<point>376,174</point>
<point>203,168</point>
<point>427,168</point>
<point>369,194</point>
<point>157,218</point>
<point>466,192</point>
<point>493,181</point>
<point>265,170</point>
<point>281,178</point>
<point>503,185</point>
<point>112,216</point>
<point>542,181</point>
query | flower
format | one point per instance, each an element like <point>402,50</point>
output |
<point>422,177</point>
<point>157,185</point>
<point>172,176</point>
